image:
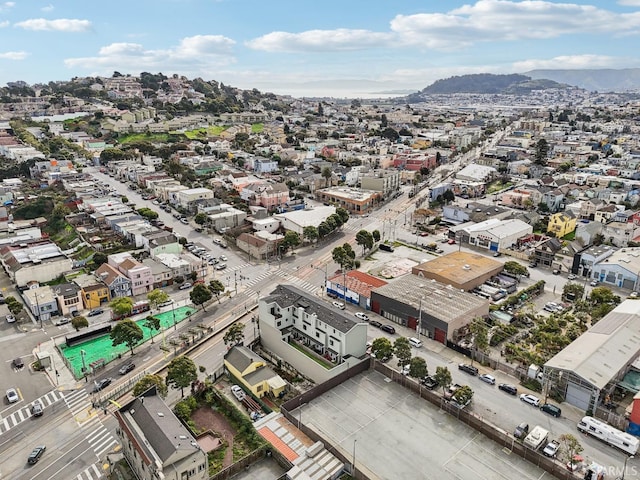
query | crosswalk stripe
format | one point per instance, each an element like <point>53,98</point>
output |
<point>95,470</point>
<point>102,447</point>
<point>5,422</point>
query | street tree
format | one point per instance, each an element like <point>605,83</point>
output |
<point>365,240</point>
<point>310,233</point>
<point>201,218</point>
<point>569,447</point>
<point>326,174</point>
<point>122,305</point>
<point>324,229</point>
<point>291,240</point>
<point>216,287</point>
<point>234,334</point>
<point>463,395</point>
<point>200,295</point>
<point>515,268</point>
<point>181,372</point>
<point>376,235</point>
<point>127,332</point>
<point>148,213</point>
<point>443,378</point>
<point>343,214</point>
<point>344,256</point>
<point>79,322</point>
<point>402,351</point>
<point>148,381</point>
<point>480,331</point>
<point>153,324</point>
<point>382,349</point>
<point>157,296</point>
<point>14,306</point>
<point>418,368</point>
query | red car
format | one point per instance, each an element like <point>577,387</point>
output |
<point>451,241</point>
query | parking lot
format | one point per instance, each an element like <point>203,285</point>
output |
<point>394,434</point>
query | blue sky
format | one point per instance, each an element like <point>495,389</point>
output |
<point>305,47</point>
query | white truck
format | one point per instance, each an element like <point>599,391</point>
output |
<point>551,450</point>
<point>536,438</point>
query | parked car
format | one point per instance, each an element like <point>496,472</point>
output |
<point>223,258</point>
<point>375,323</point>
<point>35,454</point>
<point>102,384</point>
<point>238,392</point>
<point>166,304</point>
<point>221,266</point>
<point>186,285</point>
<point>470,369</point>
<point>521,430</point>
<point>12,395</point>
<point>126,368</point>
<point>530,399</point>
<point>11,319</point>
<point>556,272</point>
<point>490,379</point>
<point>362,316</point>
<point>551,449</point>
<point>94,312</point>
<point>571,276</point>
<point>451,241</point>
<point>62,321</point>
<point>430,382</point>
<point>339,305</point>
<point>551,409</point>
<point>510,389</point>
<point>184,220</point>
<point>388,329</point>
<point>594,283</point>
<point>37,409</point>
<point>17,363</point>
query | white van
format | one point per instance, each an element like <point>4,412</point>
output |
<point>414,342</point>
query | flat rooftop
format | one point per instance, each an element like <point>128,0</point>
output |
<point>397,435</point>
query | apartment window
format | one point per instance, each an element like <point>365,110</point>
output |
<point>304,327</point>
<point>279,323</point>
<point>317,335</point>
<point>330,342</point>
<point>259,388</point>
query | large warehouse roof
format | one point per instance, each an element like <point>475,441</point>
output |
<point>458,268</point>
<point>600,353</point>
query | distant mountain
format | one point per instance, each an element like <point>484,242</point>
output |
<point>602,80</point>
<point>485,83</point>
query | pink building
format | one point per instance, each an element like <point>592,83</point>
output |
<point>140,275</point>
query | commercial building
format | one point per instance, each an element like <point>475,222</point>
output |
<point>351,199</point>
<point>316,338</point>
<point>39,262</point>
<point>298,219</point>
<point>430,307</point>
<point>493,234</point>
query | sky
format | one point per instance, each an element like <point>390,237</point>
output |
<point>346,48</point>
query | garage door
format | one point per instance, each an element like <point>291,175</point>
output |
<point>578,396</point>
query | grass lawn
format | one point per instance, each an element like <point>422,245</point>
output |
<point>301,349</point>
<point>203,132</point>
<point>142,137</point>
<point>497,186</point>
<point>257,128</point>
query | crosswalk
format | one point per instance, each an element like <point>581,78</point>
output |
<point>92,472</point>
<point>286,277</point>
<point>24,413</point>
<point>88,419</point>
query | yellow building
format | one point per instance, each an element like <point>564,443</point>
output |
<point>253,372</point>
<point>561,224</point>
<point>94,292</point>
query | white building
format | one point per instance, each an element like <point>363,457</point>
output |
<point>298,219</point>
<point>186,197</point>
<point>493,234</point>
<point>620,269</point>
<point>40,263</point>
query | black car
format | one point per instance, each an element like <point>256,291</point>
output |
<point>35,454</point>
<point>94,312</point>
<point>510,389</point>
<point>102,384</point>
<point>429,382</point>
<point>388,329</point>
<point>470,369</point>
<point>375,323</point>
<point>18,363</point>
<point>126,368</point>
<point>551,409</point>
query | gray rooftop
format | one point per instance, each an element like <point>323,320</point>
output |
<point>288,296</point>
<point>600,353</point>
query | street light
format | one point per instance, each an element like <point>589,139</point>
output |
<point>324,287</point>
<point>624,469</point>
<point>84,366</point>
<point>353,463</point>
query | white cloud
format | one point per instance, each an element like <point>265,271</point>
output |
<point>59,25</point>
<point>320,41</point>
<point>4,24</point>
<point>483,21</point>
<point>47,8</point>
<point>14,55</point>
<point>574,62</point>
<point>629,3</point>
<point>191,55</point>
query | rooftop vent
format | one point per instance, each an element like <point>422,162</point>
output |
<point>466,267</point>
<point>160,414</point>
<point>182,437</point>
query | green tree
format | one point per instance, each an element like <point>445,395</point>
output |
<point>153,324</point>
<point>234,334</point>
<point>200,295</point>
<point>443,378</point>
<point>365,240</point>
<point>148,213</point>
<point>542,150</point>
<point>98,259</point>
<point>79,322</point>
<point>124,199</point>
<point>382,349</point>
<point>569,447</point>
<point>122,306</point>
<point>148,381</point>
<point>478,327</point>
<point>344,256</point>
<point>181,372</point>
<point>310,233</point>
<point>326,174</point>
<point>14,306</point>
<point>216,287</point>
<point>201,218</point>
<point>157,296</point>
<point>343,214</point>
<point>515,268</point>
<point>376,235</point>
<point>463,395</point>
<point>127,332</point>
<point>291,240</point>
<point>418,368</point>
<point>402,351</point>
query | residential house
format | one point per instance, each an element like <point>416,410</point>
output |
<point>561,224</point>
<point>586,232</point>
<point>621,233</point>
<point>93,290</point>
<point>156,444</point>
<point>545,251</point>
<point>162,276</point>
<point>253,372</point>
<point>522,198</point>
<point>293,321</point>
<point>188,198</point>
<point>69,297</point>
<point>267,195</point>
<point>606,213</point>
<point>265,165</point>
<point>553,199</point>
<point>588,208</point>
<point>117,283</point>
<point>42,302</point>
<point>161,241</point>
<point>139,274</point>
